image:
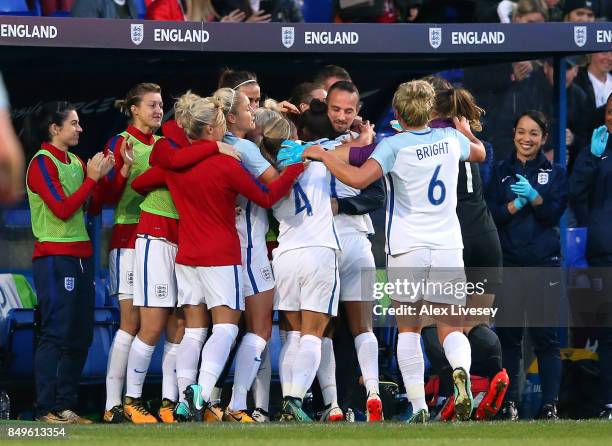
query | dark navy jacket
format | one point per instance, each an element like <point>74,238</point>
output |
<point>530,237</point>
<point>591,200</point>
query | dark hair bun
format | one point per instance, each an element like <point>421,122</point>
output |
<point>318,107</point>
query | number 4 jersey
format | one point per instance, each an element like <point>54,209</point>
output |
<point>421,171</point>
<point>305,216</point>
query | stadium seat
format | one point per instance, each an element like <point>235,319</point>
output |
<point>18,7</point>
<point>20,344</point>
<point>575,247</point>
<point>16,218</point>
<point>141,7</point>
<point>318,11</point>
<point>106,322</point>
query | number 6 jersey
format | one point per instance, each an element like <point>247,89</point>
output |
<point>421,170</point>
<point>305,216</point>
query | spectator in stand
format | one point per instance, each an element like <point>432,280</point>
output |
<point>329,75</point>
<point>580,10</point>
<point>501,77</point>
<point>555,10</point>
<point>105,9</point>
<point>525,11</point>
<point>190,11</point>
<point>378,11</point>
<point>527,196</point>
<point>591,200</point>
<point>596,80</point>
<point>11,154</point>
<point>262,10</point>
<point>50,7</point>
<point>536,93</point>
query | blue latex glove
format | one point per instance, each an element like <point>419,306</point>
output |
<point>290,153</point>
<point>519,203</point>
<point>522,188</point>
<point>599,140</point>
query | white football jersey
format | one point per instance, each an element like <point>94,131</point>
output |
<point>421,170</point>
<point>345,224</point>
<point>252,223</point>
<point>305,216</point>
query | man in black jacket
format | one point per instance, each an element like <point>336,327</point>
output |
<point>537,93</point>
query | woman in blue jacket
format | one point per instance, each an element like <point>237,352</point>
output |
<point>591,200</point>
<point>527,196</point>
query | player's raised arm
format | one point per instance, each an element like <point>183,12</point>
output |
<point>358,177</point>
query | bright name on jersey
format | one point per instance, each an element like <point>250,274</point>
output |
<point>30,32</point>
<point>476,38</point>
<point>435,149</point>
<point>331,38</point>
<point>604,36</point>
<point>181,35</point>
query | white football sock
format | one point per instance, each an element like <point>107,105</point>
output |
<point>169,382</point>
<point>305,365</point>
<point>214,355</point>
<point>411,364</point>
<point>326,374</point>
<point>187,358</point>
<point>261,384</point>
<point>366,346</point>
<point>457,350</point>
<point>286,358</point>
<point>248,360</point>
<point>137,367</point>
<point>116,368</point>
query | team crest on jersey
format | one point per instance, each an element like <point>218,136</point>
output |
<point>435,37</point>
<point>137,33</point>
<point>69,283</point>
<point>266,274</point>
<point>288,36</point>
<point>543,178</point>
<point>161,291</point>
<point>129,276</point>
<point>580,35</point>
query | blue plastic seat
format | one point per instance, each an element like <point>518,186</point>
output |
<point>17,7</point>
<point>16,218</point>
<point>318,11</point>
<point>141,8</point>
<point>20,343</point>
<point>106,322</point>
<point>575,247</point>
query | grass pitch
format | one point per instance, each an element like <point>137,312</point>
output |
<point>561,433</point>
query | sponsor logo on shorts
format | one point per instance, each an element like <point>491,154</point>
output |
<point>266,274</point>
<point>161,290</point>
<point>129,277</point>
<point>137,32</point>
<point>69,283</point>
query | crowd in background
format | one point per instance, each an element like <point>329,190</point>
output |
<point>367,11</point>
